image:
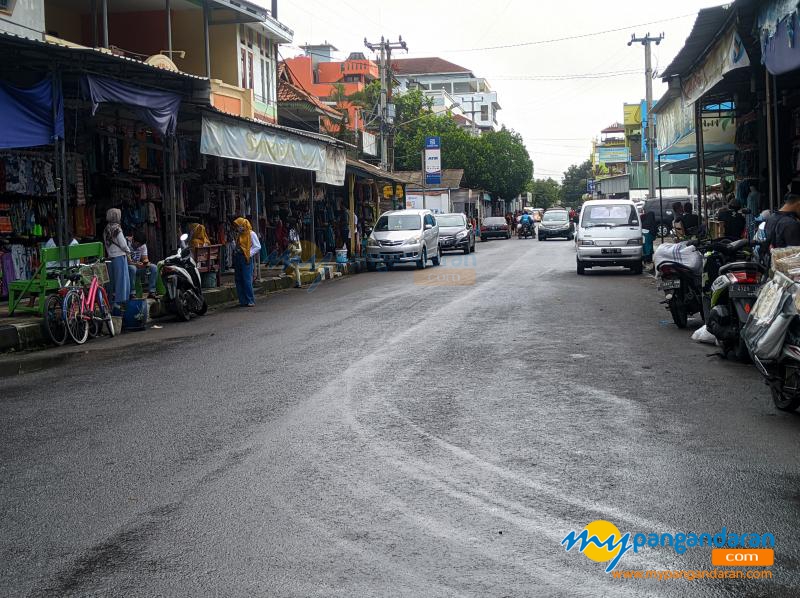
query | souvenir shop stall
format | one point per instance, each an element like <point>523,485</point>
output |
<point>31,160</point>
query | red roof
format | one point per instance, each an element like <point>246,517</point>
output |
<point>615,128</point>
<point>289,92</point>
<point>426,66</point>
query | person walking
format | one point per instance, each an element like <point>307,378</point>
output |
<point>247,245</point>
<point>117,252</point>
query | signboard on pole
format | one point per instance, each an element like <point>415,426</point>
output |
<point>433,160</point>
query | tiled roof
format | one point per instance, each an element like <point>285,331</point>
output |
<point>289,92</point>
<point>426,66</point>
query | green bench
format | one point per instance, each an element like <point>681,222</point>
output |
<point>36,289</point>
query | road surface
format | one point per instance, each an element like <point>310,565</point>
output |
<point>382,437</point>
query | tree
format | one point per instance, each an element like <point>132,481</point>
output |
<point>575,180</point>
<point>546,192</point>
<point>496,162</point>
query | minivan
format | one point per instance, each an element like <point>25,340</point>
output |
<point>404,237</point>
<point>609,234</point>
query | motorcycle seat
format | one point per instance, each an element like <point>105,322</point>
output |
<point>676,266</point>
<point>742,267</point>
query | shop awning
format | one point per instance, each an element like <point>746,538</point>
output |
<point>242,139</point>
<point>26,115</point>
<point>716,164</point>
<point>367,170</point>
<point>779,49</point>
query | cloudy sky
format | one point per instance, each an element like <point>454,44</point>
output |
<point>557,94</point>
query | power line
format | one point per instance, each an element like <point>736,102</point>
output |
<point>571,37</point>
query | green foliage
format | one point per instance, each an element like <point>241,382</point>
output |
<point>546,193</point>
<point>574,183</point>
<point>496,162</point>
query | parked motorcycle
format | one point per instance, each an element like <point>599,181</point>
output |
<point>681,282</point>
<point>730,297</point>
<point>772,335</point>
<point>181,278</point>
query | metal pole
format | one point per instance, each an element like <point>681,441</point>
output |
<point>702,145</point>
<point>660,202</point>
<point>650,145</point>
<point>776,129</point>
<point>94,24</point>
<point>770,134</point>
<point>105,23</point>
<point>423,179</point>
<point>58,171</point>
<point>169,27</point>
<point>206,17</point>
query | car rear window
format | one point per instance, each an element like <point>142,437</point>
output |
<point>495,220</point>
<point>557,216</point>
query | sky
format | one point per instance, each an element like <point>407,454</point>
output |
<point>557,113</point>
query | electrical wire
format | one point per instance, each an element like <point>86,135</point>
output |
<point>570,37</point>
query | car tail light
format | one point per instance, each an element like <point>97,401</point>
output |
<point>743,277</point>
<point>483,229</point>
<point>637,241</point>
<point>587,242</point>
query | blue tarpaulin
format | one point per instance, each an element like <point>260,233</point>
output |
<point>159,109</point>
<point>26,115</point>
<point>781,52</point>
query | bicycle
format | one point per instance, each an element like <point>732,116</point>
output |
<point>87,309</point>
<point>54,321</point>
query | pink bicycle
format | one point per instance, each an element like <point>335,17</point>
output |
<point>86,308</point>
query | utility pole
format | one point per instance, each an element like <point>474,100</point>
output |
<point>648,74</point>
<point>385,48</point>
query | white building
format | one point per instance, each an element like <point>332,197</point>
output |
<point>473,94</point>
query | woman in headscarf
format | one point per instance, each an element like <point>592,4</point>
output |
<point>198,236</point>
<point>247,245</point>
<point>117,251</point>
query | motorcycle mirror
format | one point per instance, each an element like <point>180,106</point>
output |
<point>184,236</point>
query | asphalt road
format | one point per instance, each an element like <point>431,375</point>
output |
<point>379,437</point>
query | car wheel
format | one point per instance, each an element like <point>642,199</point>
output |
<point>371,266</point>
<point>437,260</point>
<point>581,269</point>
<point>423,263</point>
<point>638,268</point>
<point>663,230</point>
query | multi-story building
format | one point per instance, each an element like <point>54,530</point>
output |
<point>232,42</point>
<point>473,94</point>
<point>610,155</point>
<point>318,73</point>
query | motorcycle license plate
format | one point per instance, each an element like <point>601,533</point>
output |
<point>612,250</point>
<point>670,284</point>
<point>744,290</point>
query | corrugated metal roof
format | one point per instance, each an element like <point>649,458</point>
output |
<point>708,24</point>
<point>451,178</point>
<point>101,53</point>
<point>288,130</point>
<point>373,171</point>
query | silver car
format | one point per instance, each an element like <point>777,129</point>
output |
<point>404,237</point>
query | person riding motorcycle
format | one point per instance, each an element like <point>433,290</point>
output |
<point>525,221</point>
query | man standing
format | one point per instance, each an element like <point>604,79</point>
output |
<point>783,227</point>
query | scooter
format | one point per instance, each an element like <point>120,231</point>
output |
<point>525,231</point>
<point>732,294</point>
<point>683,292</point>
<point>182,281</point>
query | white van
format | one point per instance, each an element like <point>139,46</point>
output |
<point>609,234</point>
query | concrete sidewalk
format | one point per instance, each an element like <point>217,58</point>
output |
<point>25,332</point>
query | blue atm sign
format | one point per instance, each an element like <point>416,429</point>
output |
<point>433,160</point>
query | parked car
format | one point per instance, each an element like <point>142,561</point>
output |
<point>455,233</point>
<point>555,223</point>
<point>609,234</point>
<point>664,215</point>
<point>494,227</point>
<point>404,237</point>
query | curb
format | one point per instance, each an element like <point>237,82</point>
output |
<point>29,335</point>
